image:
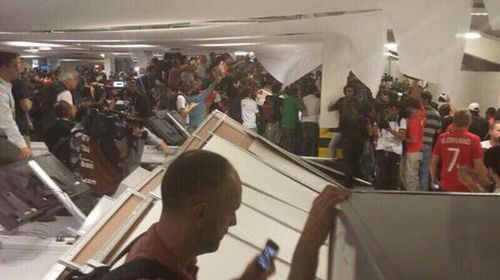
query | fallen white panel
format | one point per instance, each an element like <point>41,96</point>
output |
<point>267,228</point>
<point>263,177</point>
<point>289,215</point>
<point>429,34</point>
<point>268,180</point>
<point>226,264</point>
<point>280,161</point>
<point>289,62</point>
<point>336,57</point>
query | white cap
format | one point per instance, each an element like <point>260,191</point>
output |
<point>474,107</point>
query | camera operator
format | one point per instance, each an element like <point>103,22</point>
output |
<point>112,147</point>
<point>138,137</point>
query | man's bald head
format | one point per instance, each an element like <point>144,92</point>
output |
<point>194,175</point>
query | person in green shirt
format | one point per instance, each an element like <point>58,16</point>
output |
<point>292,104</point>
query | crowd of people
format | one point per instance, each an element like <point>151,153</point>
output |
<point>404,140</point>
<point>391,141</point>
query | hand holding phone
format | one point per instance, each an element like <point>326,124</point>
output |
<point>268,254</point>
<point>262,266</point>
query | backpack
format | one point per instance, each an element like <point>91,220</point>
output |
<point>138,268</point>
<point>62,149</point>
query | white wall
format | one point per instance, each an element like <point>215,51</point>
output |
<point>473,86</point>
<point>480,87</point>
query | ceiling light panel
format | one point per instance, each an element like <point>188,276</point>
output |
<point>129,46</point>
<point>25,44</point>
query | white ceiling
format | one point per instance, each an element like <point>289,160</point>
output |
<point>84,26</point>
<point>21,15</point>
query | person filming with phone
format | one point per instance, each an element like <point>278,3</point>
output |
<point>201,193</point>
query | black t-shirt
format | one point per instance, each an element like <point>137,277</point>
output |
<point>142,105</point>
<point>56,130</point>
<point>479,126</point>
<point>56,136</point>
<point>353,129</point>
<point>447,121</point>
<point>235,108</point>
<point>139,102</point>
<point>19,92</point>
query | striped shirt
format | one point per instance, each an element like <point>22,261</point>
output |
<point>432,125</point>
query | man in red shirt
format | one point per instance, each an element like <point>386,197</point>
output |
<point>201,192</point>
<point>456,148</point>
<point>412,145</point>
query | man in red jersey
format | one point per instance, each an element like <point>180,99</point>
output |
<point>412,145</point>
<point>456,148</point>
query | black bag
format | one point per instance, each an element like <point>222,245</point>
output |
<point>139,268</point>
<point>165,130</point>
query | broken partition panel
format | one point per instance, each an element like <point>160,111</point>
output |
<point>379,235</point>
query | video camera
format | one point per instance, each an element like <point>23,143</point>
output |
<point>108,123</point>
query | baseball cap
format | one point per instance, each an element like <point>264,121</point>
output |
<point>473,107</point>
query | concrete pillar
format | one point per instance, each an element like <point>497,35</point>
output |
<point>109,64</point>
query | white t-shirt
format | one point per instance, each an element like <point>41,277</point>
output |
<point>486,144</point>
<point>389,142</point>
<point>249,110</point>
<point>312,104</point>
<point>217,97</point>
<point>182,103</point>
<point>65,96</point>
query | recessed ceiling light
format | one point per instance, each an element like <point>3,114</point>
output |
<point>32,44</point>
<point>30,56</point>
<point>102,55</point>
<point>472,35</point>
<point>45,48</point>
<point>31,50</point>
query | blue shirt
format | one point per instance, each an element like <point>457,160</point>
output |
<point>198,113</point>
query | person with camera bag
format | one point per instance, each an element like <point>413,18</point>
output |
<point>58,133</point>
<point>389,148</point>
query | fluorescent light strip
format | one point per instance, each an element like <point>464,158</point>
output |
<point>91,41</point>
<point>130,46</point>
<point>32,44</point>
